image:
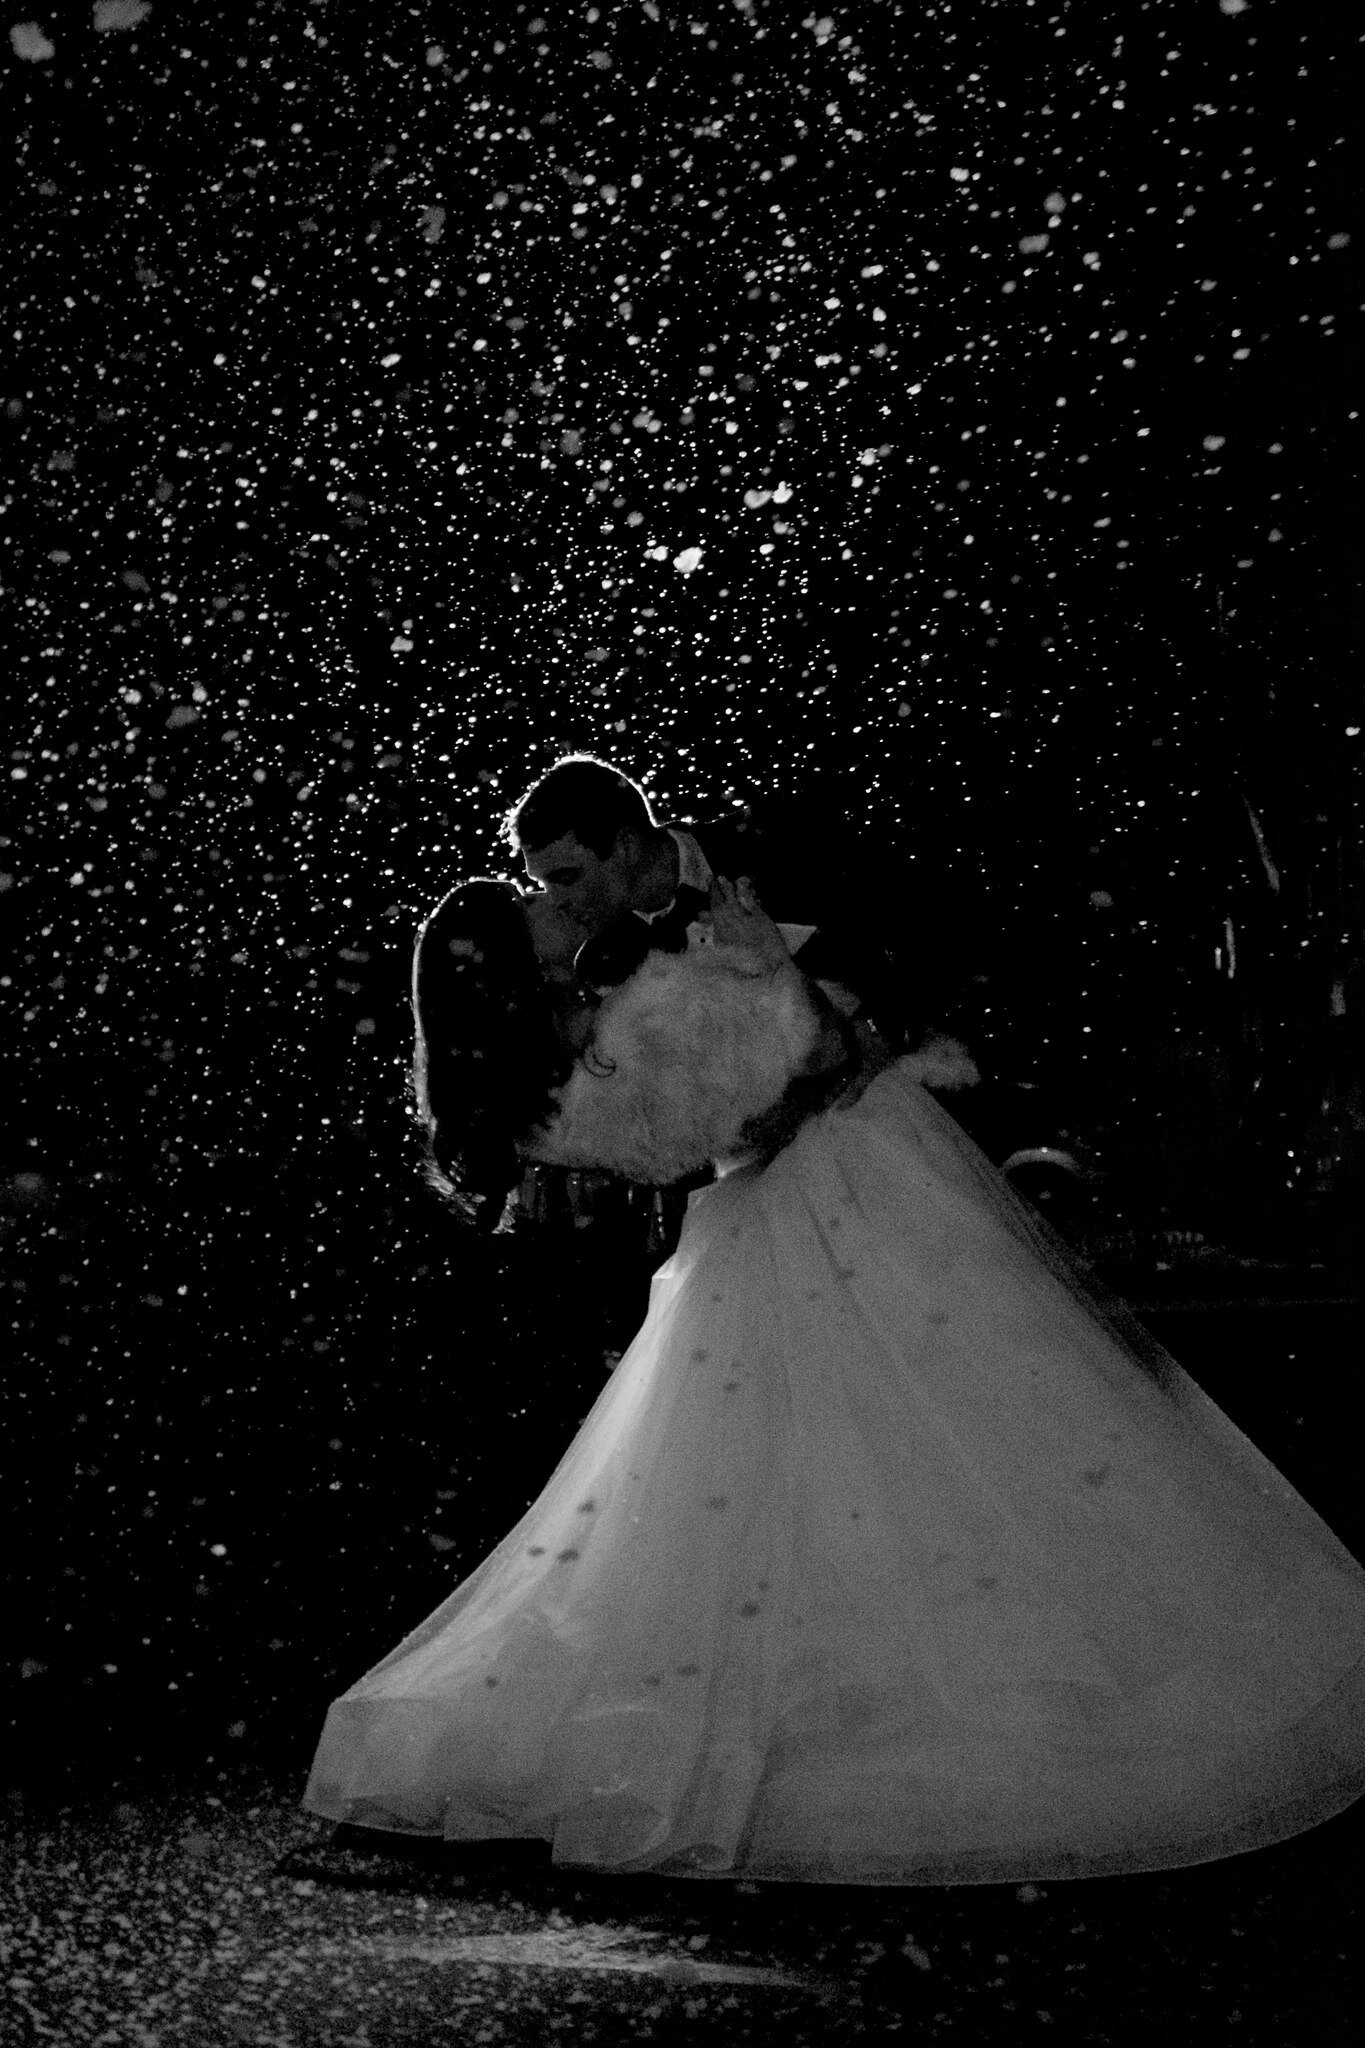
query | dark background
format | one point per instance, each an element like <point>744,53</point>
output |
<point>371,374</point>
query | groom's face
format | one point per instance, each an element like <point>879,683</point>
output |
<point>590,889</point>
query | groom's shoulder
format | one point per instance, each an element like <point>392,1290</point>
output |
<point>782,831</point>
<point>734,842</point>
<point>740,822</point>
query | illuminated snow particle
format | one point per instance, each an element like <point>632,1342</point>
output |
<point>28,42</point>
<point>1233,6</point>
<point>433,223</point>
<point>1055,202</point>
<point>119,14</point>
<point>1215,441</point>
<point>687,561</point>
<point>1033,245</point>
<point>387,362</point>
<point>400,644</point>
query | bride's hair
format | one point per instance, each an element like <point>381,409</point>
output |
<point>486,1056</point>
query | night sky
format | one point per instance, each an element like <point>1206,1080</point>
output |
<point>930,418</point>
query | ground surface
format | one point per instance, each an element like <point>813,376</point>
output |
<point>176,1915</point>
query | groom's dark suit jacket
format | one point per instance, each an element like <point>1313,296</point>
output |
<point>805,870</point>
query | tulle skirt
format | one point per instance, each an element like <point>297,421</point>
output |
<point>890,1554</point>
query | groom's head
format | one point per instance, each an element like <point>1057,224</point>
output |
<point>586,833</point>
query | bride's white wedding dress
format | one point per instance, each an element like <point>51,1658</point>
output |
<point>889,1554</point>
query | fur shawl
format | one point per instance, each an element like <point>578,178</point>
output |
<point>685,1054</point>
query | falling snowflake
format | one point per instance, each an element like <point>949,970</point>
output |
<point>112,14</point>
<point>29,42</point>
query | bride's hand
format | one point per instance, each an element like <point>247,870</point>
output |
<point>739,919</point>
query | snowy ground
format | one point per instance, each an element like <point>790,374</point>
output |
<point>217,1913</point>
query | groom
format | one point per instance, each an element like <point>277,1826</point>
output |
<point>630,885</point>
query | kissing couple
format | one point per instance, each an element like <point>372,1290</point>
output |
<point>611,888</point>
<point>889,1553</point>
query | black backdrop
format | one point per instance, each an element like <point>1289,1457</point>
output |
<point>933,417</point>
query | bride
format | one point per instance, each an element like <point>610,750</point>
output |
<point>890,1553</point>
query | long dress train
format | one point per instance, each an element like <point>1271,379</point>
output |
<point>887,1555</point>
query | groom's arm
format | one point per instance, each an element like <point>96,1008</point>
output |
<point>830,888</point>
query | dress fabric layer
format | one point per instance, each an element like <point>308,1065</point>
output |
<point>889,1554</point>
